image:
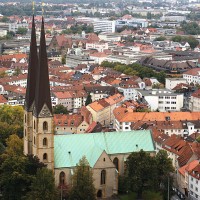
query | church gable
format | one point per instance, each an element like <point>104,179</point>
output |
<point>104,161</point>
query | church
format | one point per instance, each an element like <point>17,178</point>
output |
<point>105,152</point>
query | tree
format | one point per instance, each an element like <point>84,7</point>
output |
<point>63,60</point>
<point>43,186</point>
<point>22,31</point>
<point>60,109</point>
<point>11,121</point>
<point>83,187</point>
<point>88,100</point>
<point>17,72</point>
<point>140,172</point>
<point>4,19</point>
<point>161,38</point>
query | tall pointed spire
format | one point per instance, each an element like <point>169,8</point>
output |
<point>42,92</point>
<point>32,70</point>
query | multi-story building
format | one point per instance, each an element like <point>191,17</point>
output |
<point>104,26</point>
<point>192,76</point>
<point>194,103</point>
<point>162,99</point>
<point>171,83</point>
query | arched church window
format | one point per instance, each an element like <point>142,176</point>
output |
<point>34,124</point>
<point>25,118</point>
<point>103,177</point>
<point>45,142</point>
<point>45,156</point>
<point>45,126</point>
<point>116,163</point>
<point>62,178</point>
<point>34,139</point>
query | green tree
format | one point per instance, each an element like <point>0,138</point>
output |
<point>16,170</point>
<point>43,186</point>
<point>11,121</point>
<point>63,60</point>
<point>60,109</point>
<point>88,100</point>
<point>161,38</point>
<point>4,19</point>
<point>140,172</point>
<point>164,170</point>
<point>83,187</point>
<point>17,72</point>
<point>22,31</point>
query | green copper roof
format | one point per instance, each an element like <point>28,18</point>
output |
<point>69,149</point>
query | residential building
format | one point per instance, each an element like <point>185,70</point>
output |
<point>162,99</point>
<point>192,76</point>
<point>179,123</point>
<point>74,60</point>
<point>194,102</point>
<point>171,83</point>
<point>102,110</point>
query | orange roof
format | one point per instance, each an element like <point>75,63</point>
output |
<point>188,167</point>
<point>3,99</point>
<point>122,115</point>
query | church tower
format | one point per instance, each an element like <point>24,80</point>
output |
<point>43,132</point>
<point>38,105</point>
<point>30,92</point>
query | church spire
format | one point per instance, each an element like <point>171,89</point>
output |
<point>42,92</point>
<point>32,70</point>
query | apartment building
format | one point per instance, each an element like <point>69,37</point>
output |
<point>192,76</point>
<point>162,99</point>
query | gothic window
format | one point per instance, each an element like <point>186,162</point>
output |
<point>45,126</point>
<point>34,124</point>
<point>103,177</point>
<point>45,156</point>
<point>25,118</point>
<point>62,178</point>
<point>34,139</point>
<point>116,163</point>
<point>45,142</point>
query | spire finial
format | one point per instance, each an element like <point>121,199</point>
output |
<point>33,7</point>
<point>42,8</point>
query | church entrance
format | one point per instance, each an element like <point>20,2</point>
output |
<point>99,193</point>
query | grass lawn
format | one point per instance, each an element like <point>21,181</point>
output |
<point>147,195</point>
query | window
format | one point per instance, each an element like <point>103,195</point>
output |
<point>25,118</point>
<point>191,186</point>
<point>196,196</point>
<point>116,163</point>
<point>34,139</point>
<point>191,179</point>
<point>45,142</point>
<point>196,189</point>
<point>45,126</point>
<point>45,156</point>
<point>34,124</point>
<point>103,177</point>
<point>62,178</point>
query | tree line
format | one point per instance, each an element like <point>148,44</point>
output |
<point>136,69</point>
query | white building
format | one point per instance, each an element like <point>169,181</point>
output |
<point>194,104</point>
<point>192,76</point>
<point>104,26</point>
<point>99,46</point>
<point>171,83</point>
<point>162,99</point>
<point>194,183</point>
<point>110,37</point>
<point>14,26</point>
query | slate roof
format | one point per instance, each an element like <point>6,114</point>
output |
<point>67,155</point>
